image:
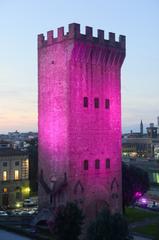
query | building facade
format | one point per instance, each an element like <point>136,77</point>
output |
<point>79,119</point>
<point>141,145</point>
<point>137,147</point>
<point>14,177</point>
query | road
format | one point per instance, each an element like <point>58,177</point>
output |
<point>141,238</point>
<point>4,235</point>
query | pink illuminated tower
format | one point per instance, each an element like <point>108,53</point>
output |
<point>80,119</point>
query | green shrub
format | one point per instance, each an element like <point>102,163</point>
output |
<point>119,227</point>
<point>108,227</point>
<point>68,222</point>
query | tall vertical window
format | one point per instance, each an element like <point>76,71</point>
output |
<point>97,164</point>
<point>107,103</point>
<point>96,102</point>
<point>107,163</point>
<point>85,101</point>
<point>4,175</point>
<point>155,177</point>
<point>5,190</point>
<point>18,193</point>
<point>16,175</point>
<point>85,165</point>
<point>25,169</point>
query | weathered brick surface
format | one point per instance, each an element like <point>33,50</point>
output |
<point>71,67</point>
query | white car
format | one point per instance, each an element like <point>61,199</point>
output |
<point>3,213</point>
<point>28,203</point>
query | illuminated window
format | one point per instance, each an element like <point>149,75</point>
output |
<point>5,190</point>
<point>4,164</point>
<point>96,102</point>
<point>156,177</point>
<point>107,163</point>
<point>4,175</point>
<point>85,165</point>
<point>25,169</point>
<point>17,163</point>
<point>107,103</point>
<point>16,175</point>
<point>97,164</point>
<point>85,101</point>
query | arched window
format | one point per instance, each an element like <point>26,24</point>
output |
<point>97,164</point>
<point>107,163</point>
<point>107,103</point>
<point>96,102</point>
<point>85,165</point>
<point>85,101</point>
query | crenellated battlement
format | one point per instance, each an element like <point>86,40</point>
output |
<point>74,33</point>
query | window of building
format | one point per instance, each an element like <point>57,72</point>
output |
<point>18,193</point>
<point>155,177</point>
<point>97,164</point>
<point>96,102</point>
<point>16,175</point>
<point>17,163</point>
<point>85,165</point>
<point>107,103</point>
<point>25,169</point>
<point>18,196</point>
<point>4,164</point>
<point>5,190</point>
<point>4,175</point>
<point>107,163</point>
<point>85,101</point>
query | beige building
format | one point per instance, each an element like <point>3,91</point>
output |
<point>14,177</point>
<point>137,147</point>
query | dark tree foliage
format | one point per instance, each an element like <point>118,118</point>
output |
<point>134,180</point>
<point>33,165</point>
<point>119,227</point>
<point>100,228</point>
<point>68,222</point>
<point>108,227</point>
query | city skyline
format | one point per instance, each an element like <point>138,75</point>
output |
<point>20,23</point>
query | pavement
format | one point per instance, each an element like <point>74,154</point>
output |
<point>4,235</point>
<point>141,238</point>
<point>144,222</point>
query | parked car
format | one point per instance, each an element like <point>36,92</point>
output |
<point>28,203</point>
<point>3,213</point>
<point>153,206</point>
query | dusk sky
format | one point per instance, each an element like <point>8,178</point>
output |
<point>22,20</point>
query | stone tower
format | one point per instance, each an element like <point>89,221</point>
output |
<point>79,119</point>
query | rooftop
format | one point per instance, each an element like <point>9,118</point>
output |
<point>11,152</point>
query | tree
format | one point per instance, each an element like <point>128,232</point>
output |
<point>100,228</point>
<point>33,165</point>
<point>119,227</point>
<point>108,227</point>
<point>134,180</point>
<point>68,222</point>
